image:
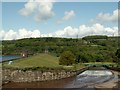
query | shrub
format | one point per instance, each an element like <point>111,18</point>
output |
<point>67,58</point>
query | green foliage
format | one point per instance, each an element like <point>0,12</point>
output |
<point>88,49</point>
<point>118,53</point>
<point>99,58</point>
<point>95,37</point>
<point>39,60</point>
<point>82,57</point>
<point>67,58</point>
<point>118,57</point>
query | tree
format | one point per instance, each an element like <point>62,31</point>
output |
<point>118,53</point>
<point>78,58</point>
<point>99,58</point>
<point>118,56</point>
<point>67,58</point>
<point>82,57</point>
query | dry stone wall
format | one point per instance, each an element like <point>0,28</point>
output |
<point>9,75</point>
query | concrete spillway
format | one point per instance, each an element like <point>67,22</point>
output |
<point>89,78</point>
<point>96,73</point>
<point>86,79</point>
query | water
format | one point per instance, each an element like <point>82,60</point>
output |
<point>9,57</point>
<point>96,73</point>
<point>87,79</point>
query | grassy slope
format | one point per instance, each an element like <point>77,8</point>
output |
<point>44,60</point>
<point>40,60</point>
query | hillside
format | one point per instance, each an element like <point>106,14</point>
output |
<point>89,48</point>
<point>40,60</point>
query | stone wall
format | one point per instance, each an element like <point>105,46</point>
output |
<point>9,75</point>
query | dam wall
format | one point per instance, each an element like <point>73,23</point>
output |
<point>9,75</point>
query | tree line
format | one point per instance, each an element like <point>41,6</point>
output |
<point>86,49</point>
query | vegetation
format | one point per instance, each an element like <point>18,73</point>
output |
<point>67,58</point>
<point>118,53</point>
<point>85,50</point>
<point>95,37</point>
<point>40,60</point>
<point>118,57</point>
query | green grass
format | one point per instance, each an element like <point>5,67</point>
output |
<point>45,60</point>
<point>74,66</point>
<point>40,60</point>
<point>100,63</point>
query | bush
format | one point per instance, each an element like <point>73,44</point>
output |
<point>67,58</point>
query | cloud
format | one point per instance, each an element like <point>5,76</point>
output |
<point>29,8</point>
<point>106,17</point>
<point>83,30</point>
<point>68,15</point>
<point>68,32</point>
<point>7,35</point>
<point>42,11</point>
<point>21,33</point>
<point>24,33</point>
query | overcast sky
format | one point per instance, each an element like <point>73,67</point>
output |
<point>58,19</point>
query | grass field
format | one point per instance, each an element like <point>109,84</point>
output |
<point>46,60</point>
<point>40,60</point>
<point>101,63</point>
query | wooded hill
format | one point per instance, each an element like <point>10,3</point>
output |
<point>89,48</point>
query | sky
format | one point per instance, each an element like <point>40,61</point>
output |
<point>58,19</point>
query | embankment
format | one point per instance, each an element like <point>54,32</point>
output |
<point>10,75</point>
